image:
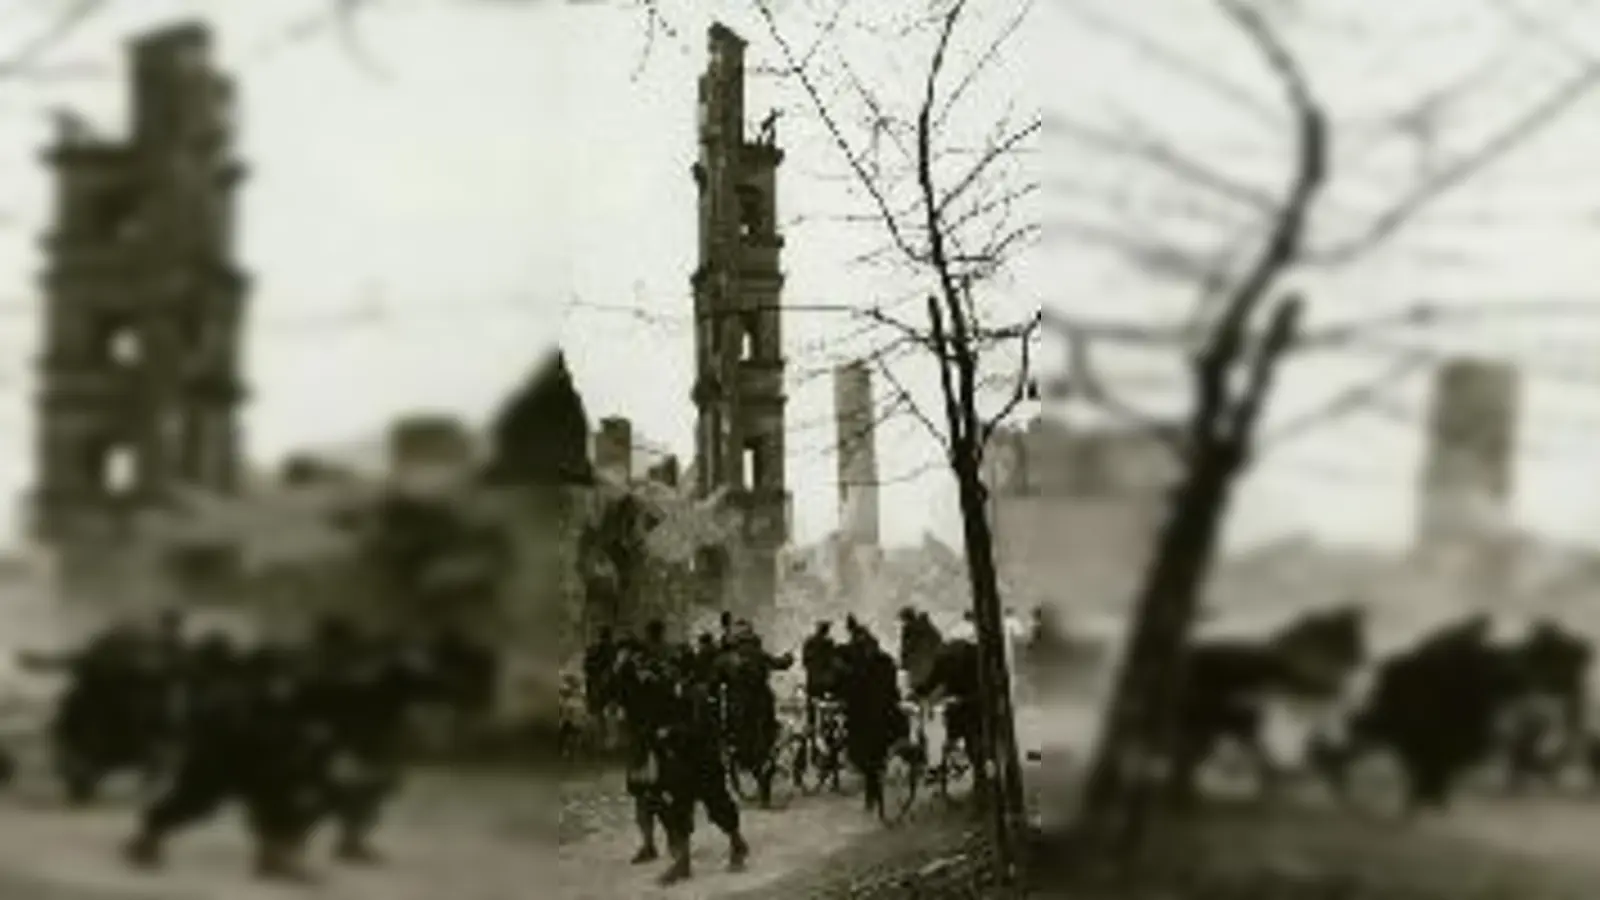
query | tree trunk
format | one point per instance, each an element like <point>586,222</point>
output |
<point>1005,782</point>
<point>1137,725</point>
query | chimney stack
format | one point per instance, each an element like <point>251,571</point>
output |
<point>613,449</point>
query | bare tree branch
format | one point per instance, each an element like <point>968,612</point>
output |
<point>1083,380</point>
<point>1330,336</point>
<point>1264,368</point>
<point>25,57</point>
<point>820,106</point>
<point>1522,129</point>
<point>1168,158</point>
<point>933,206</point>
<point>1001,149</point>
<point>1194,72</point>
<point>985,59</point>
<point>1283,247</point>
<point>1024,381</point>
<point>1348,400</point>
<point>911,404</point>
<point>946,382</point>
<point>345,13</point>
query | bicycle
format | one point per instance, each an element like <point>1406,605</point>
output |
<point>911,765</point>
<point>905,768</point>
<point>955,762</point>
<point>817,747</point>
<point>747,780</point>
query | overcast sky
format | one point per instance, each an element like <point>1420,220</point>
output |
<point>474,181</point>
<point>417,234</point>
<point>1517,235</point>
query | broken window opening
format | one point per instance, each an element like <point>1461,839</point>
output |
<point>755,466</point>
<point>115,216</point>
<point>747,339</point>
<point>123,346</point>
<point>119,469</point>
<point>750,213</point>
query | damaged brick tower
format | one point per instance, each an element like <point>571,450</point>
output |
<point>857,420</point>
<point>738,393</point>
<point>1468,473</point>
<point>140,384</point>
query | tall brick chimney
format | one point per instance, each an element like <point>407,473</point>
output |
<point>613,449</point>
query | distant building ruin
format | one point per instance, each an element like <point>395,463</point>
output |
<point>1075,512</point>
<point>856,418</point>
<point>431,452</point>
<point>738,391</point>
<point>1468,472</point>
<point>613,449</point>
<point>665,472</point>
<point>140,382</point>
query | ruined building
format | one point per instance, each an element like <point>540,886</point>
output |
<point>1467,476</point>
<point>738,392</point>
<point>613,449</point>
<point>858,452</point>
<point>140,383</point>
<point>857,418</point>
<point>431,452</point>
<point>540,435</point>
<point>1075,511</point>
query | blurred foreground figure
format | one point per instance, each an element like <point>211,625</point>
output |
<point>248,740</point>
<point>295,737</point>
<point>1455,699</point>
<point>122,706</point>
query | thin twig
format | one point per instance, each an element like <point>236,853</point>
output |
<point>1020,391</point>
<point>1167,158</point>
<point>821,106</point>
<point>1092,388</point>
<point>1194,72</point>
<point>345,12</point>
<point>22,60</point>
<point>1350,399</point>
<point>1522,129</point>
<point>910,403</point>
<point>987,58</point>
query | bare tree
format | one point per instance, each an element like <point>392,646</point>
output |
<point>950,216</point>
<point>1247,328</point>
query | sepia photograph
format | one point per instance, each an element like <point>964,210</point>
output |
<point>798,449</point>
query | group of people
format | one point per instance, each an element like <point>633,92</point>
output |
<point>863,679</point>
<point>1457,699</point>
<point>296,734</point>
<point>692,710</point>
<point>689,710</point>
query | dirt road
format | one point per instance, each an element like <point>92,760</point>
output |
<point>467,838</point>
<point>487,837</point>
<point>497,837</point>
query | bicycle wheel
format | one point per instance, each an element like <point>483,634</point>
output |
<point>831,763</point>
<point>744,783</point>
<point>954,768</point>
<point>746,778</point>
<point>740,781</point>
<point>807,764</point>
<point>783,779</point>
<point>902,776</point>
